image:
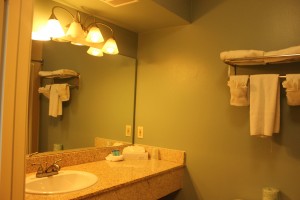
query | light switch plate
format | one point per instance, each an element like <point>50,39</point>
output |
<point>140,132</point>
<point>128,130</point>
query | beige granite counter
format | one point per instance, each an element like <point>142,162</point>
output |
<point>125,180</point>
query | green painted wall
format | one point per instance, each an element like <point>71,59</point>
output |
<point>183,99</point>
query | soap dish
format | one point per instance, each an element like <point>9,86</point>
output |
<point>110,157</point>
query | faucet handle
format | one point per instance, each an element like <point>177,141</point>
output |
<point>56,165</point>
<point>32,154</point>
<point>55,162</point>
<point>40,169</point>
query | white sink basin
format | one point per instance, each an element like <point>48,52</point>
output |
<point>64,181</point>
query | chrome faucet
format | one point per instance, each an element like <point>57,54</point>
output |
<point>48,171</point>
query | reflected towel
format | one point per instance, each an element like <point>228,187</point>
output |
<point>58,73</point>
<point>58,93</point>
<point>239,90</point>
<point>240,54</point>
<point>264,104</point>
<point>292,85</point>
<point>45,91</point>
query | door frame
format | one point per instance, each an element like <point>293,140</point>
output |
<point>15,51</point>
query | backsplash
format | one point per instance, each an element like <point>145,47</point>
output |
<point>86,155</point>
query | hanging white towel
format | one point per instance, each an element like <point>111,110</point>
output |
<point>292,85</point>
<point>239,90</point>
<point>264,104</point>
<point>58,93</point>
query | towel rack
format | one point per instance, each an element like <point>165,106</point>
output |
<point>38,61</point>
<point>229,71</point>
<point>262,60</point>
<point>74,84</point>
<point>61,75</point>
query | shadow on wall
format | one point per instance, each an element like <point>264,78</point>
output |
<point>283,196</point>
<point>202,8</point>
<point>188,192</point>
<point>289,136</point>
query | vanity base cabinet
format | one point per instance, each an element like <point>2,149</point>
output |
<point>150,188</point>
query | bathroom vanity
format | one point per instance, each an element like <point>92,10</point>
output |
<point>128,179</point>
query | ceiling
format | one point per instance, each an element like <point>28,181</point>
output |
<point>141,16</point>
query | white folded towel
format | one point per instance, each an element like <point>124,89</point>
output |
<point>292,85</point>
<point>264,104</point>
<point>239,90</point>
<point>286,51</point>
<point>58,73</point>
<point>276,56</point>
<point>240,54</point>
<point>58,93</point>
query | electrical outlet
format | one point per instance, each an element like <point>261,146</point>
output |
<point>140,132</point>
<point>128,130</point>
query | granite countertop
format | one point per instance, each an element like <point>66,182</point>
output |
<point>112,175</point>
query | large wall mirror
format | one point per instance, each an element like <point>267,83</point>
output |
<point>101,106</point>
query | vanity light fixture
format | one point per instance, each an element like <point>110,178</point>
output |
<point>79,34</point>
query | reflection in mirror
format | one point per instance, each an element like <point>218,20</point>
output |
<point>101,106</point>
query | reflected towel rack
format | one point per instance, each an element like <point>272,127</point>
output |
<point>38,61</point>
<point>60,75</point>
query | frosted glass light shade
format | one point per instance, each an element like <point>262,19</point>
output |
<point>110,47</point>
<point>42,34</point>
<point>75,30</point>
<point>94,35</point>
<point>95,52</point>
<point>55,29</point>
<point>39,37</point>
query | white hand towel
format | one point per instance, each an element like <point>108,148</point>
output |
<point>264,104</point>
<point>58,93</point>
<point>64,95</point>
<point>239,90</point>
<point>53,101</point>
<point>45,91</point>
<point>292,85</point>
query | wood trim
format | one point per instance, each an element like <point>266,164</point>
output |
<point>15,98</point>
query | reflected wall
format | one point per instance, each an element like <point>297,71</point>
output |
<point>101,106</point>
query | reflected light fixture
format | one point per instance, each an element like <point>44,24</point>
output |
<point>95,51</point>
<point>94,35</point>
<point>41,34</point>
<point>79,34</point>
<point>54,27</point>
<point>110,46</point>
